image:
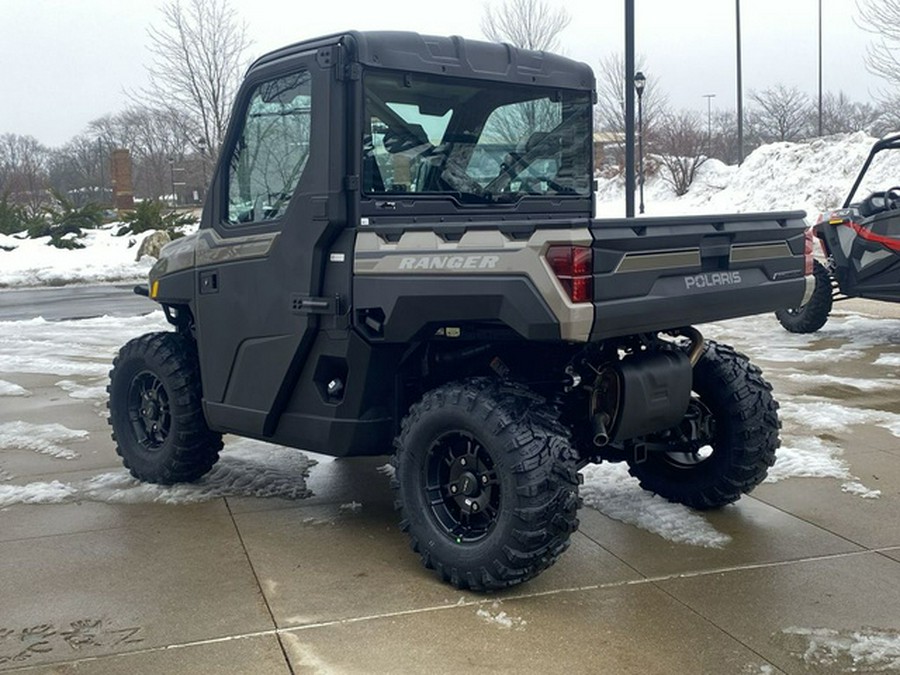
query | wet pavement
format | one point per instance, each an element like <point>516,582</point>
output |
<point>277,566</point>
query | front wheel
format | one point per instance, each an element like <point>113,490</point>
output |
<point>155,410</point>
<point>726,442</point>
<point>812,316</point>
<point>486,483</point>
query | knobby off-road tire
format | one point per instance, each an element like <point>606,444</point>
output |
<point>812,316</point>
<point>743,436</point>
<point>500,447</point>
<point>155,410</point>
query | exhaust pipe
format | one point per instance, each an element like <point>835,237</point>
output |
<point>697,343</point>
<point>599,423</point>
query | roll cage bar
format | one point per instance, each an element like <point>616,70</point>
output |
<point>887,143</point>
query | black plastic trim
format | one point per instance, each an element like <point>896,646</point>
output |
<point>414,306</point>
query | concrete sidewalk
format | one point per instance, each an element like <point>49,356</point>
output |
<point>327,584</point>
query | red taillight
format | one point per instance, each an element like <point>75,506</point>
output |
<point>808,253</point>
<point>573,266</point>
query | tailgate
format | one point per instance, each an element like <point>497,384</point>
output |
<point>656,273</point>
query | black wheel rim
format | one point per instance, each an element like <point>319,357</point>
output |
<point>698,438</point>
<point>148,410</point>
<point>462,487</point>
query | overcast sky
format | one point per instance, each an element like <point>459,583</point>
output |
<point>66,62</point>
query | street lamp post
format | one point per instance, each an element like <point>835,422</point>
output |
<point>639,83</point>
<point>202,145</point>
<point>172,172</point>
<point>709,98</point>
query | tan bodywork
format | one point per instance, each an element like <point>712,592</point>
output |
<point>481,253</point>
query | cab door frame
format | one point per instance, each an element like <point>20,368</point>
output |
<point>257,287</point>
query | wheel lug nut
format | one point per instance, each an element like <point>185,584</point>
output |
<point>454,489</point>
<point>474,506</point>
<point>484,479</point>
<point>462,462</point>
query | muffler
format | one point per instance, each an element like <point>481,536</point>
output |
<point>642,394</point>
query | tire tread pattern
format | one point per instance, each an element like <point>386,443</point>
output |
<point>814,314</point>
<point>542,461</point>
<point>192,448</point>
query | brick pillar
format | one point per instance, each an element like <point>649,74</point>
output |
<point>123,192</point>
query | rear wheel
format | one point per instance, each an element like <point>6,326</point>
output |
<point>155,410</point>
<point>486,483</point>
<point>812,316</point>
<point>726,442</point>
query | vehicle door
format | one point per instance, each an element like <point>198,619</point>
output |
<point>259,267</point>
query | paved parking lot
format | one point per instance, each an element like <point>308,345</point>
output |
<point>279,565</point>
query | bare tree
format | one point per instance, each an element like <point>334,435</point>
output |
<point>681,147</point>
<point>198,55</point>
<point>882,18</point>
<point>723,143</point>
<point>782,113</point>
<point>840,115</point>
<point>23,171</point>
<point>609,114</point>
<point>530,24</point>
<point>79,169</point>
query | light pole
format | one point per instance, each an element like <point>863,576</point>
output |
<point>172,172</point>
<point>820,68</point>
<point>639,83</point>
<point>629,109</point>
<point>202,145</point>
<point>740,89</point>
<point>709,98</point>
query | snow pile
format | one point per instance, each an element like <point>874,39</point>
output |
<point>870,650</point>
<point>104,258</point>
<point>813,176</point>
<point>247,468</point>
<point>614,493</point>
<point>807,456</point>
<point>46,439</point>
<point>12,389</point>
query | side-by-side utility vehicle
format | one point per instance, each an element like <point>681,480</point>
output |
<point>861,242</point>
<point>398,247</point>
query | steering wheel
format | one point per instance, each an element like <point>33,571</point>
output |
<point>892,197</point>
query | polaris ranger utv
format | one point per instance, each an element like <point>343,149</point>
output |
<point>398,247</point>
<point>861,241</point>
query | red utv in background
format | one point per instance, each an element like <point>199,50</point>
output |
<point>861,242</point>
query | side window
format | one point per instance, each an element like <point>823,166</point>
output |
<point>272,150</point>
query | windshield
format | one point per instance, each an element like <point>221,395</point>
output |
<point>478,141</point>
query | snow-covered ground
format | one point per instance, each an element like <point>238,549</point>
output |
<point>105,258</point>
<point>812,176</point>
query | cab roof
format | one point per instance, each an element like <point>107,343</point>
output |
<point>453,56</point>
